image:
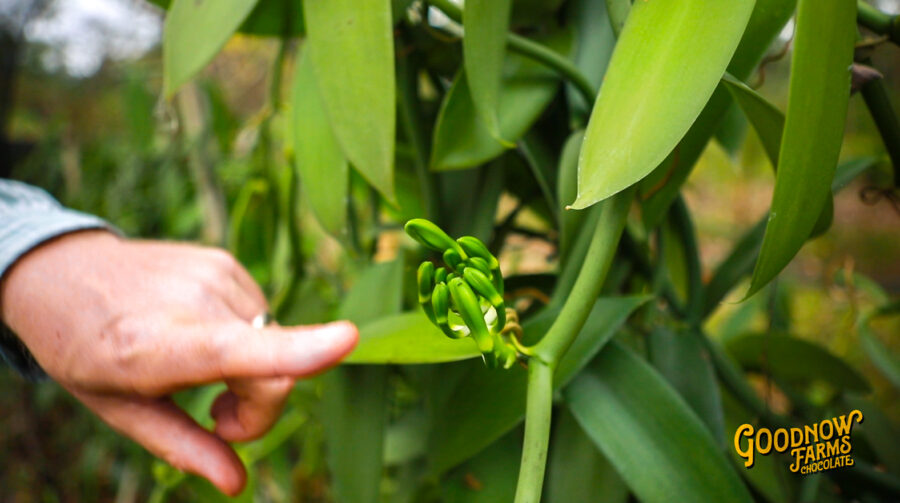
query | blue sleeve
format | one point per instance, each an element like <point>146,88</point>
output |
<point>28,217</point>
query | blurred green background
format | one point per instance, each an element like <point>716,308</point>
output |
<point>81,116</point>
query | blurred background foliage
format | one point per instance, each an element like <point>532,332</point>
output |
<point>81,116</point>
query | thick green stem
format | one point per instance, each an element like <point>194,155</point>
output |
<point>681,219</point>
<point>877,21</point>
<point>538,410</point>
<point>531,49</point>
<point>590,279</point>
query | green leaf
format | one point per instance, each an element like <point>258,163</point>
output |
<point>732,131</point>
<point>769,476</point>
<point>814,124</point>
<point>878,430</point>
<point>577,472</point>
<point>489,477</point>
<point>488,403</point>
<point>354,410</point>
<point>657,444</point>
<point>408,338</point>
<point>618,14</point>
<point>276,18</point>
<point>484,47</point>
<point>768,122</point>
<point>195,31</point>
<point>663,71</point>
<point>354,399</point>
<point>766,119</point>
<point>663,185</point>
<point>594,42</point>
<point>351,44</point>
<point>682,360</point>
<point>324,173</point>
<point>794,360</point>
<point>567,187</point>
<point>880,356</point>
<point>461,140</point>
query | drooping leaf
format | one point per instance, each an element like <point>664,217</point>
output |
<point>577,472</point>
<point>662,73</point>
<point>767,120</point>
<point>732,131</point>
<point>794,360</point>
<point>461,140</point>
<point>324,173</point>
<point>354,398</point>
<point>682,360</point>
<point>488,403</point>
<point>567,188</point>
<point>484,47</point>
<point>408,338</point>
<point>657,444</point>
<point>594,41</point>
<point>351,45</point>
<point>662,186</point>
<point>814,124</point>
<point>195,31</point>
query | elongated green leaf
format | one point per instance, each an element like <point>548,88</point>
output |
<point>795,360</point>
<point>355,413</point>
<point>195,31</point>
<point>814,124</point>
<point>662,186</point>
<point>461,140</point>
<point>740,261</point>
<point>681,359</point>
<point>594,41</point>
<point>663,71</point>
<point>277,18</point>
<point>488,403</point>
<point>879,431</point>
<point>657,444</point>
<point>351,44</point>
<point>732,130</point>
<point>567,188</point>
<point>880,355</point>
<point>354,399</point>
<point>769,475</point>
<point>484,47</point>
<point>408,338</point>
<point>323,169</point>
<point>767,120</point>
<point>577,472</point>
<point>618,13</point>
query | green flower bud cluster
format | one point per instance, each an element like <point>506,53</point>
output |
<point>466,297</point>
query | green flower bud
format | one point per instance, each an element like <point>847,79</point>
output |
<point>469,309</point>
<point>475,248</point>
<point>483,286</point>
<point>431,235</point>
<point>440,302</point>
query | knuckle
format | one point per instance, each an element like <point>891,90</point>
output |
<point>222,260</point>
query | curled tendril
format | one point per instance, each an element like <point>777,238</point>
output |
<point>465,298</point>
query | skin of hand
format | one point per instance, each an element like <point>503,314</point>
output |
<point>122,324</point>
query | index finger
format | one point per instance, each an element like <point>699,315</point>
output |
<point>200,353</point>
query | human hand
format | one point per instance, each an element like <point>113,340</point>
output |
<point>122,324</point>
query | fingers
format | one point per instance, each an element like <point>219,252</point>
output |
<point>170,434</point>
<point>182,355</point>
<point>250,407</point>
